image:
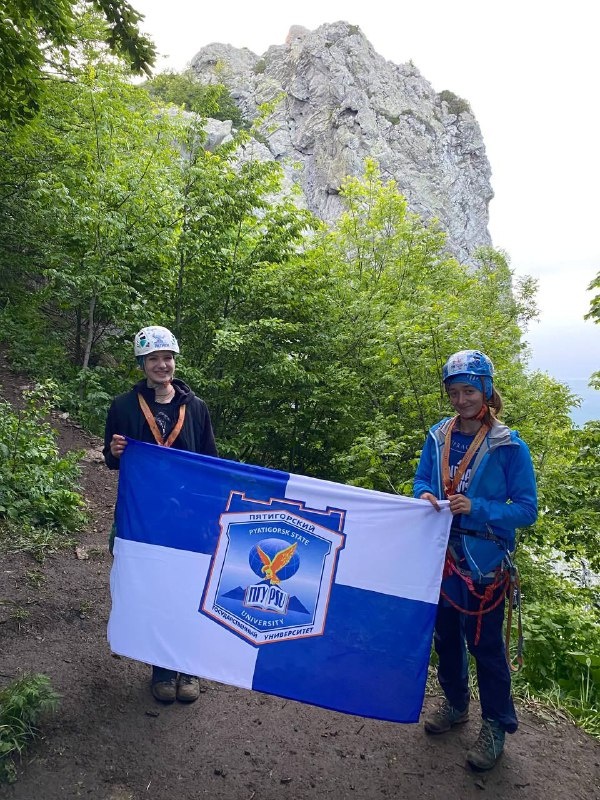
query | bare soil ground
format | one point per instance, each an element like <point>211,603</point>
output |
<point>110,740</point>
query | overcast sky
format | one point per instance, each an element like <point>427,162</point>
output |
<point>529,69</point>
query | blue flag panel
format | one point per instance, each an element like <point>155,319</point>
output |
<point>306,589</point>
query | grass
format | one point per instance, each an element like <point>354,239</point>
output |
<point>38,542</point>
<point>20,616</point>
<point>35,578</point>
<point>552,705</point>
<point>22,703</point>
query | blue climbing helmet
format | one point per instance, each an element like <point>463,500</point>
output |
<point>470,366</point>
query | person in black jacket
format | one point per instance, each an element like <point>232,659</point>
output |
<point>163,410</point>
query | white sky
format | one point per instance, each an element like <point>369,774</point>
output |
<point>530,71</point>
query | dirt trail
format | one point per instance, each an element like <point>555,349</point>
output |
<point>110,740</point>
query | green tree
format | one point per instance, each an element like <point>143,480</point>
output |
<point>36,40</point>
<point>238,297</point>
<point>96,205</point>
<point>405,305</point>
<point>594,314</point>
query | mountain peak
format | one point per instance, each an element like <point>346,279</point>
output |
<point>342,103</point>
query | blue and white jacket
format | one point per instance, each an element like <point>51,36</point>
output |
<point>502,490</point>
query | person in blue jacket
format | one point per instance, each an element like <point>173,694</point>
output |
<point>485,472</point>
<point>159,409</point>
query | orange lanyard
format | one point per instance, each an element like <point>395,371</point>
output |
<point>451,485</point>
<point>154,427</point>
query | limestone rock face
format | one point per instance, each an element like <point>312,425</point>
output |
<point>341,103</point>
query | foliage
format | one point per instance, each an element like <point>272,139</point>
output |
<point>456,104</point>
<point>570,488</point>
<point>37,37</point>
<point>404,304</point>
<point>88,394</point>
<point>93,209</point>
<point>22,703</point>
<point>566,459</point>
<point>185,90</point>
<point>38,349</point>
<point>123,35</point>
<point>238,299</point>
<point>561,626</point>
<point>318,350</point>
<point>594,314</point>
<point>36,482</point>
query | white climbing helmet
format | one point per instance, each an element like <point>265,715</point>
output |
<point>152,338</point>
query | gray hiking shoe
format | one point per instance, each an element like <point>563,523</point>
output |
<point>165,691</point>
<point>164,684</point>
<point>488,747</point>
<point>445,717</point>
<point>188,688</point>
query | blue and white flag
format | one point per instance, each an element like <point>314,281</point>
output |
<point>301,588</point>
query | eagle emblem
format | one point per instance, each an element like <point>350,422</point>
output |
<point>271,566</point>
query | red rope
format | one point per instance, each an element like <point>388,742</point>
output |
<point>501,579</point>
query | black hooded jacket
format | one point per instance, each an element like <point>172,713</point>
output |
<point>125,418</point>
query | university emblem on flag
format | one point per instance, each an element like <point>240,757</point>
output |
<point>273,568</point>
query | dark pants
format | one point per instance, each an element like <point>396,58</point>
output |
<point>160,674</point>
<point>452,630</point>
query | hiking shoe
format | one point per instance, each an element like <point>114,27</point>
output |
<point>165,691</point>
<point>445,717</point>
<point>188,688</point>
<point>488,747</point>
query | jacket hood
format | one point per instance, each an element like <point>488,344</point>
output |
<point>499,433</point>
<point>183,393</point>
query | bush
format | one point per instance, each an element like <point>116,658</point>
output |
<point>88,394</point>
<point>37,484</point>
<point>21,705</point>
<point>456,104</point>
<point>561,627</point>
<point>184,89</point>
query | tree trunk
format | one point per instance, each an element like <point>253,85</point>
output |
<point>90,333</point>
<point>179,299</point>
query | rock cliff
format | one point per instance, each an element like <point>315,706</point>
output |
<point>342,102</point>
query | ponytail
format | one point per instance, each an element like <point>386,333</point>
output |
<point>494,409</point>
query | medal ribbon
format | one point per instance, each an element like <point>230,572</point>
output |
<point>451,485</point>
<point>154,427</point>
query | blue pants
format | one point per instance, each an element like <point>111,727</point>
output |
<point>454,632</point>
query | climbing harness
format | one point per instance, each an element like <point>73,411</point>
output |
<point>504,580</point>
<point>486,600</point>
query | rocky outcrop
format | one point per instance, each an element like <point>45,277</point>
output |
<point>341,102</point>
